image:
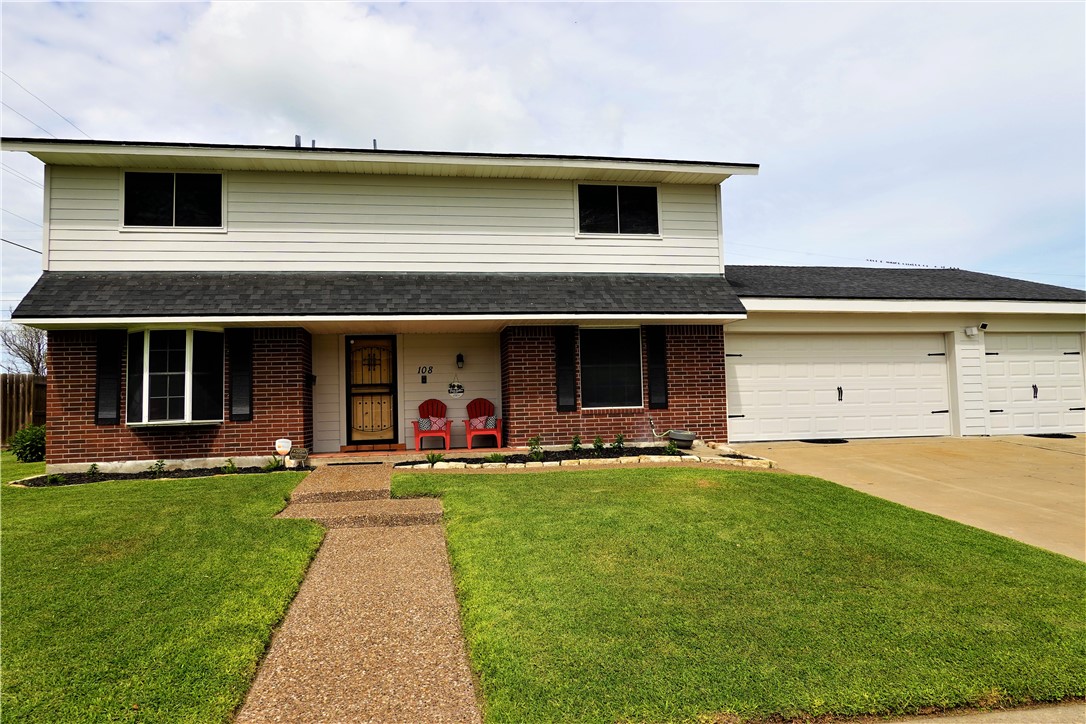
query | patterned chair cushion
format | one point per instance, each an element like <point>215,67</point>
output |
<point>424,424</point>
<point>437,423</point>
<point>478,423</point>
<point>492,422</point>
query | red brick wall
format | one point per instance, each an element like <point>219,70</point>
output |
<point>282,406</point>
<point>695,388</point>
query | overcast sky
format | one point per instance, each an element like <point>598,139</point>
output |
<point>936,134</point>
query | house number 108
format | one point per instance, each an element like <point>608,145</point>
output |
<point>426,370</point>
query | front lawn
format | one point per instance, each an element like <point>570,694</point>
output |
<point>146,601</point>
<point>12,469</point>
<point>674,594</point>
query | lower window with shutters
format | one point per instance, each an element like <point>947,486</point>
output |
<point>175,376</point>
<point>611,368</point>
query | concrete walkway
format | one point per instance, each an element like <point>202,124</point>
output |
<point>1027,488</point>
<point>374,633</point>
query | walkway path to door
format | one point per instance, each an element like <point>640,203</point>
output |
<point>1028,488</point>
<point>374,633</point>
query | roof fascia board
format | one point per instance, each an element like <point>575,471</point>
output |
<point>908,306</point>
<point>351,156</point>
<point>272,320</point>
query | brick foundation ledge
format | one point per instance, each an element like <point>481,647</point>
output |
<point>142,466</point>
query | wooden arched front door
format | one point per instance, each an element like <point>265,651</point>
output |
<point>371,389</point>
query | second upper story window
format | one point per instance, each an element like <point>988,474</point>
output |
<point>173,199</point>
<point>618,209</point>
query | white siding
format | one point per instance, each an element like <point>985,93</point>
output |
<point>481,377</point>
<point>315,222</point>
<point>328,395</point>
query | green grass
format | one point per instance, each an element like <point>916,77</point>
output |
<point>145,600</point>
<point>672,594</point>
<point>12,469</point>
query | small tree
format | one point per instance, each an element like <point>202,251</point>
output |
<point>23,348</point>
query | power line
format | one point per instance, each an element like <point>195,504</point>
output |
<point>29,221</point>
<point>39,100</point>
<point>26,119</point>
<point>36,251</point>
<point>21,175</point>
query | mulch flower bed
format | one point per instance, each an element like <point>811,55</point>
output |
<point>590,453</point>
<point>53,479</point>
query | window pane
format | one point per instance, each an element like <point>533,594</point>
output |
<point>207,376</point>
<point>148,199</point>
<point>199,199</point>
<point>598,207</point>
<point>134,381</point>
<point>166,379</point>
<point>610,368</point>
<point>637,210</point>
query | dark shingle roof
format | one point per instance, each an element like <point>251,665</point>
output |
<point>831,282</point>
<point>226,294</point>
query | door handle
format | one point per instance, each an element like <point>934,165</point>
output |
<point>840,394</point>
<point>1035,392</point>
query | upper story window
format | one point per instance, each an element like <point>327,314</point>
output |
<point>618,209</point>
<point>173,199</point>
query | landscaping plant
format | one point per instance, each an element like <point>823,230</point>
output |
<point>576,444</point>
<point>28,444</point>
<point>598,443</point>
<point>620,442</point>
<point>157,468</point>
<point>535,449</point>
<point>495,458</point>
<point>434,458</point>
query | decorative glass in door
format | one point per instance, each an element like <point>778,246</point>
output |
<point>371,394</point>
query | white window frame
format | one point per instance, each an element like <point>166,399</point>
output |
<point>146,377</point>
<point>599,235</point>
<point>221,229</point>
<point>640,368</point>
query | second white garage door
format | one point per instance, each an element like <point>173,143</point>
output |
<point>1034,383</point>
<point>802,386</point>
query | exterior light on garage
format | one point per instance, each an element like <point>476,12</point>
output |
<point>970,331</point>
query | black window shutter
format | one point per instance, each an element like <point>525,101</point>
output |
<point>656,344</point>
<point>565,367</point>
<point>240,344</point>
<point>107,391</point>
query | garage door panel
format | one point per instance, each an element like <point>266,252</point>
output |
<point>1014,363</point>
<point>889,384</point>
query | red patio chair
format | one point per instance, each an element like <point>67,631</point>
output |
<point>432,422</point>
<point>481,421</point>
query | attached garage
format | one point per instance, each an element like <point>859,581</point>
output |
<point>838,352</point>
<point>1034,383</point>
<point>820,386</point>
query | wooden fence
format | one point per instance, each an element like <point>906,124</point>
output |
<point>22,403</point>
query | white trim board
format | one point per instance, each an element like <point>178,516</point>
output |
<point>911,306</point>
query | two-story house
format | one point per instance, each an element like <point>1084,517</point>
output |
<point>204,300</point>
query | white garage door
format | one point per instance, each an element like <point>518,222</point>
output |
<point>1034,383</point>
<point>802,386</point>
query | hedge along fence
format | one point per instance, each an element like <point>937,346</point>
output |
<point>22,403</point>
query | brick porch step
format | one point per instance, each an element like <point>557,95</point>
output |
<point>368,513</point>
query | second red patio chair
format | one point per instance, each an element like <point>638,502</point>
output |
<point>482,421</point>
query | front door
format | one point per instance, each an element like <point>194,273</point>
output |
<point>371,390</point>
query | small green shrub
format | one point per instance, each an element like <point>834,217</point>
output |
<point>54,479</point>
<point>434,458</point>
<point>535,449</point>
<point>93,470</point>
<point>157,468</point>
<point>576,444</point>
<point>274,463</point>
<point>229,468</point>
<point>28,444</point>
<point>620,442</point>
<point>672,448</point>
<point>495,458</point>
<point>598,443</point>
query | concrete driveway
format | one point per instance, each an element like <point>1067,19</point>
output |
<point>1026,488</point>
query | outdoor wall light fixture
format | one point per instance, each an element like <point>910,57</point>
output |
<point>459,361</point>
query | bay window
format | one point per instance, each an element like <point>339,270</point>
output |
<point>175,376</point>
